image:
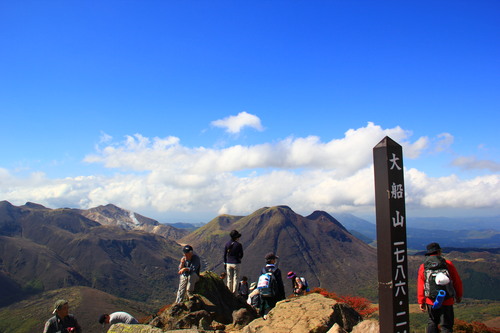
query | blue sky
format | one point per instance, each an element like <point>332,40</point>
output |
<point>183,110</point>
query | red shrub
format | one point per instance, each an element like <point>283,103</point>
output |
<point>325,293</point>
<point>473,327</point>
<point>362,305</point>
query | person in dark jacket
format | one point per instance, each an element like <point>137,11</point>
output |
<point>243,288</point>
<point>62,320</point>
<point>233,253</point>
<point>189,271</point>
<point>268,303</point>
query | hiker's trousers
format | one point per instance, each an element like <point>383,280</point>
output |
<point>233,277</point>
<point>186,283</point>
<point>443,316</point>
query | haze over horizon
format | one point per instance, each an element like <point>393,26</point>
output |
<point>181,111</point>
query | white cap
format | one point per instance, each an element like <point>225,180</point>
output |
<point>442,279</point>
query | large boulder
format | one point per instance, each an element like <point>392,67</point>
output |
<point>211,308</point>
<point>336,328</point>
<point>367,326</point>
<point>310,313</point>
<point>346,316</point>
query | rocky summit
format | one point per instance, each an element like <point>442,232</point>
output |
<point>214,309</point>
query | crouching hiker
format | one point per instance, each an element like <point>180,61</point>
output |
<point>299,284</point>
<point>254,297</point>
<point>189,271</point>
<point>117,317</point>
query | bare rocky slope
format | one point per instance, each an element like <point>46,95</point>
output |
<point>128,220</point>
<point>43,249</point>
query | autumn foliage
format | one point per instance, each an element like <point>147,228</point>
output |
<point>473,327</point>
<point>362,305</point>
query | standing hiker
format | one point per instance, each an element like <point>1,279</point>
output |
<point>270,285</point>
<point>189,271</point>
<point>438,286</point>
<point>233,253</point>
<point>62,320</point>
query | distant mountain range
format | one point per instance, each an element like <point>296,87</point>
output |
<point>43,249</point>
<point>123,254</point>
<point>449,232</point>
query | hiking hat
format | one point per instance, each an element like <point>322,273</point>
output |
<point>291,275</point>
<point>187,248</point>
<point>442,279</point>
<point>270,256</point>
<point>234,234</point>
<point>58,305</point>
<point>432,248</point>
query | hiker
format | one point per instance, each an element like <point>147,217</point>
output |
<point>62,320</point>
<point>189,271</point>
<point>270,285</point>
<point>117,317</point>
<point>299,284</point>
<point>438,281</point>
<point>243,289</point>
<point>254,297</point>
<point>233,252</point>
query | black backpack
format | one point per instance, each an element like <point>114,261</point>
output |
<point>434,265</point>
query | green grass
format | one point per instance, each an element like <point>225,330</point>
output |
<point>10,323</point>
<point>469,311</point>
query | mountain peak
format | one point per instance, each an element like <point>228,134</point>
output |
<point>32,205</point>
<point>283,209</point>
<point>318,246</point>
<point>322,215</point>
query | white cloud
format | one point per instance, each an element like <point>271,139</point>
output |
<point>234,124</point>
<point>163,177</point>
<point>451,191</point>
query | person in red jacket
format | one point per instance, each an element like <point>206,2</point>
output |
<point>443,315</point>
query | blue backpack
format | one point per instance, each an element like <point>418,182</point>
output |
<point>267,282</point>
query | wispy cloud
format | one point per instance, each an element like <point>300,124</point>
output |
<point>472,163</point>
<point>235,124</point>
<point>162,176</point>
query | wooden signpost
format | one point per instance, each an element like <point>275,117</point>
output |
<point>391,237</point>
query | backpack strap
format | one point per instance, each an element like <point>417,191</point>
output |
<point>268,269</point>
